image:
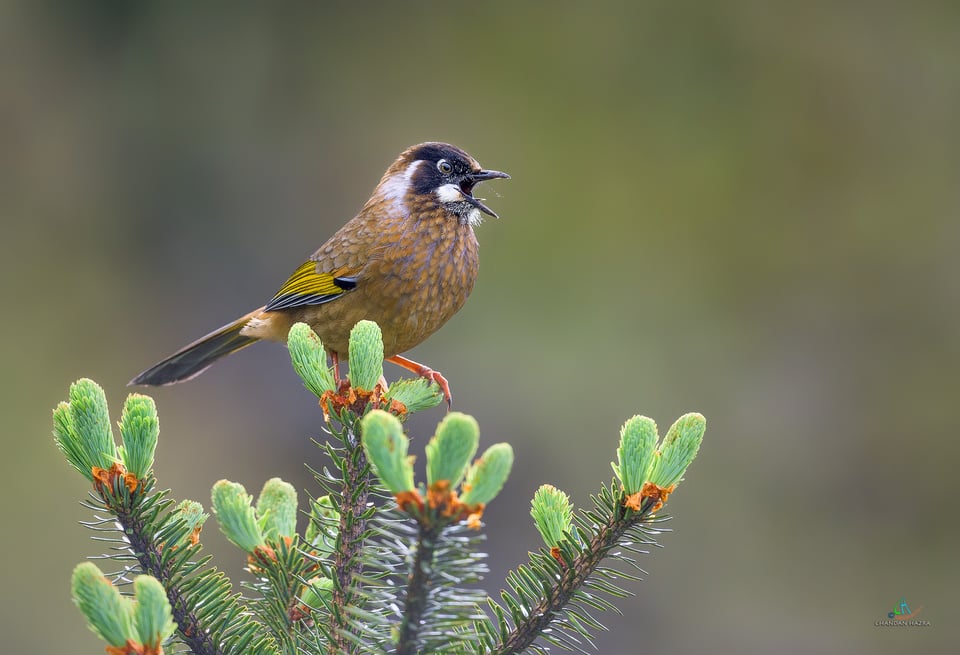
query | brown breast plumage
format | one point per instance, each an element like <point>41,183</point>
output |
<point>414,271</point>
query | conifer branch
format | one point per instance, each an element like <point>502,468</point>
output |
<point>163,541</point>
<point>361,579</point>
<point>147,551</point>
<point>415,600</point>
<point>572,575</point>
<point>354,493</point>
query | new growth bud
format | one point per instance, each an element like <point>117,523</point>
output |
<point>678,449</point>
<point>552,513</point>
<point>192,514</point>
<point>636,454</point>
<point>277,510</point>
<point>317,592</point>
<point>234,509</point>
<point>386,448</point>
<point>136,625</point>
<point>414,394</point>
<point>139,429</point>
<point>108,614</point>
<point>451,449</point>
<point>81,428</point>
<point>648,472</point>
<point>152,616</point>
<point>486,477</point>
<point>309,359</point>
<point>366,355</point>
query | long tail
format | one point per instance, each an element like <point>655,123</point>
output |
<point>192,360</point>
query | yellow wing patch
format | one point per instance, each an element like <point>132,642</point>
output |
<point>308,287</point>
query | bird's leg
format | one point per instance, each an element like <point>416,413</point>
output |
<point>335,360</point>
<point>425,372</point>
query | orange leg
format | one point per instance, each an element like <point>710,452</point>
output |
<point>425,372</point>
<point>335,360</point>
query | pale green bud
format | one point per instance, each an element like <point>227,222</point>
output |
<point>309,359</point>
<point>81,428</point>
<point>452,448</point>
<point>486,477</point>
<point>678,450</point>
<point>386,448</point>
<point>152,616</point>
<point>636,454</point>
<point>552,513</point>
<point>415,394</point>
<point>277,510</point>
<point>108,614</point>
<point>366,355</point>
<point>234,509</point>
<point>317,592</point>
<point>139,429</point>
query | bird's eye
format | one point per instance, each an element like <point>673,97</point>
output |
<point>444,167</point>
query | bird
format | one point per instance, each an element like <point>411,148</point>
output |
<point>408,260</point>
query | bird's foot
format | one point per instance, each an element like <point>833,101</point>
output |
<point>425,372</point>
<point>440,381</point>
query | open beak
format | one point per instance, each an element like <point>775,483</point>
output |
<point>474,178</point>
<point>480,176</point>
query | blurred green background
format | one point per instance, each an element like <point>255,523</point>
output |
<point>746,209</point>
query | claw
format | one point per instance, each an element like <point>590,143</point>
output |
<point>425,372</point>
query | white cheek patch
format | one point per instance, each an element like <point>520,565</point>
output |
<point>395,189</point>
<point>449,193</point>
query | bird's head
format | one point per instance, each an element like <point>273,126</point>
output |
<point>439,173</point>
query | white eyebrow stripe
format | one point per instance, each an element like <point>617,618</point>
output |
<point>395,189</point>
